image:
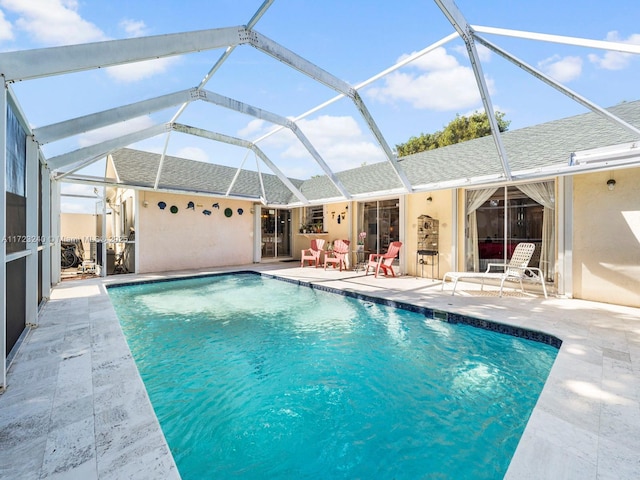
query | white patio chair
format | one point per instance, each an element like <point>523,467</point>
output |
<point>516,270</point>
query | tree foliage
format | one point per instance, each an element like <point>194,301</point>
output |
<point>460,129</point>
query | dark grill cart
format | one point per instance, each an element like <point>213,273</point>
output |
<point>428,244</point>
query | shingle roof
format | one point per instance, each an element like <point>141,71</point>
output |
<point>538,146</point>
<point>544,145</point>
<point>138,168</point>
<point>377,177</point>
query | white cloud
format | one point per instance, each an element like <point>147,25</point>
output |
<point>53,22</point>
<point>76,189</point>
<point>58,22</point>
<point>615,60</point>
<point>562,69</point>
<point>441,83</point>
<point>114,131</point>
<point>133,72</point>
<point>6,29</point>
<point>133,28</point>
<point>77,205</point>
<point>438,59</point>
<point>255,127</point>
<point>193,153</point>
<point>483,52</point>
<point>339,141</point>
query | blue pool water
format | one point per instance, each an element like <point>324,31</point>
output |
<point>256,378</point>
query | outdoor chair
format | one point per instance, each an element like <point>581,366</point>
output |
<point>313,253</point>
<point>384,261</point>
<point>517,269</point>
<point>339,255</point>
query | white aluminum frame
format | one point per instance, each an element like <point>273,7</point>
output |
<point>46,230</point>
<point>38,63</point>
<point>33,162</point>
<point>3,231</point>
<point>454,15</point>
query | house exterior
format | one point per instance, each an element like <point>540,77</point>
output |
<point>586,228</point>
<point>572,190</point>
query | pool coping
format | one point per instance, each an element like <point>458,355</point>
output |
<point>431,313</point>
<point>585,425</point>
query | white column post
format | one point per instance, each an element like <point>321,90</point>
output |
<point>402,225</point>
<point>31,174</point>
<point>46,232</point>
<point>565,236</point>
<point>3,230</point>
<point>103,270</point>
<point>352,225</point>
<point>55,232</point>
<point>136,225</point>
<point>257,233</point>
<point>454,232</point>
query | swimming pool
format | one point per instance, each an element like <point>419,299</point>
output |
<point>251,377</point>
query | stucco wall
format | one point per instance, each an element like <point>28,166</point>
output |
<point>438,208</point>
<point>606,238</point>
<point>190,239</point>
<point>340,231</point>
<point>334,229</point>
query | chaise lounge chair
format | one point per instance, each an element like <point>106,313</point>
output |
<point>313,253</point>
<point>384,261</point>
<point>338,256</point>
<point>517,269</point>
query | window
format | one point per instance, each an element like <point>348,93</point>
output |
<point>500,218</point>
<point>314,217</point>
<point>16,155</point>
<point>16,184</point>
<point>380,221</point>
<point>276,232</point>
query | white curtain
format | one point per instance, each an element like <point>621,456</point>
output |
<point>475,199</point>
<point>544,194</point>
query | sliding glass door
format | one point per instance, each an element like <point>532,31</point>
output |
<point>380,221</point>
<point>498,219</point>
<point>276,233</point>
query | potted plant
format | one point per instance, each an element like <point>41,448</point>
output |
<point>361,237</point>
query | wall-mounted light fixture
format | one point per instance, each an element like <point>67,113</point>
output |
<point>611,183</point>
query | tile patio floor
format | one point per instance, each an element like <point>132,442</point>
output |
<point>76,408</point>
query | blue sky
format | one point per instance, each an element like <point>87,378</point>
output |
<point>352,40</point>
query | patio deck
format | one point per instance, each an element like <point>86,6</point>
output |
<point>75,406</point>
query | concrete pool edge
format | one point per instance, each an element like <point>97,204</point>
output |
<point>443,315</point>
<point>436,314</point>
<point>575,430</point>
<point>585,425</point>
<point>89,416</point>
<point>451,317</point>
<point>539,430</point>
<point>189,315</point>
